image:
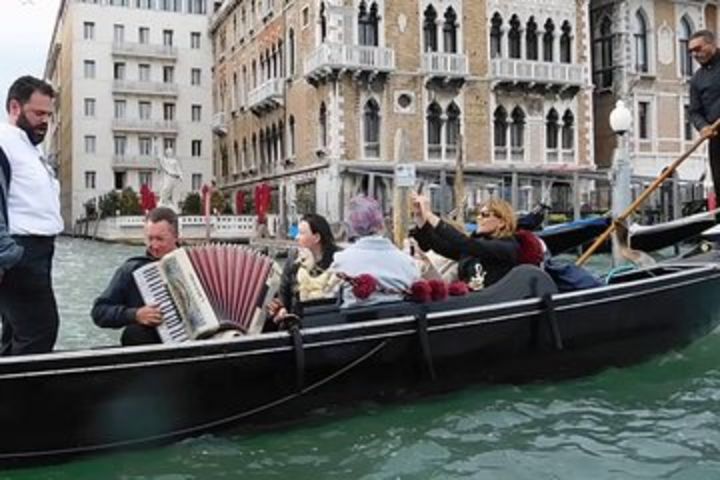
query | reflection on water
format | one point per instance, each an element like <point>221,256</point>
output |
<point>658,420</point>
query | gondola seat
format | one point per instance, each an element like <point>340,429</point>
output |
<point>523,281</point>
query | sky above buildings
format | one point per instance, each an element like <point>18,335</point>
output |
<point>24,39</point>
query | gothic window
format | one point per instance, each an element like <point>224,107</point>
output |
<point>450,31</point>
<point>371,129</point>
<point>368,20</point>
<point>603,58</point>
<point>531,40</point>
<point>548,41</point>
<point>254,153</point>
<point>568,131</point>
<point>323,22</point>
<point>452,131</point>
<point>514,37</point>
<point>496,36</point>
<point>430,30</point>
<point>291,135</point>
<point>686,66</point>
<point>551,130</point>
<point>566,43</point>
<point>262,149</point>
<point>291,52</point>
<point>323,118</point>
<point>641,43</point>
<point>500,127</point>
<point>517,134</point>
<point>434,130</point>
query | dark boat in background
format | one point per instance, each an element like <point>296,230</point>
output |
<point>647,238</point>
<point>80,402</point>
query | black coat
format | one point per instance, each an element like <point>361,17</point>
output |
<point>116,306</point>
<point>496,255</point>
<point>288,280</point>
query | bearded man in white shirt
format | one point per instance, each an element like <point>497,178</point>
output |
<point>29,221</point>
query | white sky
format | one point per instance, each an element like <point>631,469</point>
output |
<point>24,39</point>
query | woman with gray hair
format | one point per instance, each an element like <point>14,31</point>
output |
<point>373,254</point>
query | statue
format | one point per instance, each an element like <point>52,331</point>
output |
<point>171,178</point>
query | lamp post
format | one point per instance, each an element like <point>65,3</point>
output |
<point>620,122</point>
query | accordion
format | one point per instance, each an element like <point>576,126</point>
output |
<point>202,290</point>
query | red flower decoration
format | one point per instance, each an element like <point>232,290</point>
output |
<point>420,291</point>
<point>458,289</point>
<point>363,286</point>
<point>438,290</point>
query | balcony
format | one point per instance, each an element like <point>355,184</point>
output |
<point>533,73</point>
<point>154,126</point>
<point>144,50</point>
<point>335,57</point>
<point>134,161</point>
<point>267,96</point>
<point>146,88</point>
<point>445,65</point>
<point>219,124</point>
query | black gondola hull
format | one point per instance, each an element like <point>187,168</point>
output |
<point>72,403</point>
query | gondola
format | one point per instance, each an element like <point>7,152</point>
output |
<point>69,403</point>
<point>566,236</point>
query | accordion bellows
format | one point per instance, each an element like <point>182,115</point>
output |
<point>203,289</point>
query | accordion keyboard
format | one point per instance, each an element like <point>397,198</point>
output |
<point>155,292</point>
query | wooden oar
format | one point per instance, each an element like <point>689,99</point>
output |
<point>645,194</point>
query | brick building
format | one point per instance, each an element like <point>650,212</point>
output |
<point>310,95</point>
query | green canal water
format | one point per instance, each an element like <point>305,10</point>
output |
<point>657,420</point>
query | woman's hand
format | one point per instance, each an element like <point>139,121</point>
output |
<point>274,307</point>
<point>420,204</point>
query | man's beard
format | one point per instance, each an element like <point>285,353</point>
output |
<point>36,133</point>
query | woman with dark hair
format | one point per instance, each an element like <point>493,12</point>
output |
<point>306,267</point>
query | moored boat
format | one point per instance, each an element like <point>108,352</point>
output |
<point>79,402</point>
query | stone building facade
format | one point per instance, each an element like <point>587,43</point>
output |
<point>640,56</point>
<point>310,96</point>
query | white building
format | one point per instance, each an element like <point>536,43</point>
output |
<point>129,72</point>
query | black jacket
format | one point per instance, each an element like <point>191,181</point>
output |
<point>496,255</point>
<point>705,94</point>
<point>116,306</point>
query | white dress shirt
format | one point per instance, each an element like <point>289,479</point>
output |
<point>34,197</point>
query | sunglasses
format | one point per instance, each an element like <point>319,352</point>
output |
<point>485,214</point>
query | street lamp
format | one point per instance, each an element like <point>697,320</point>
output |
<point>620,122</point>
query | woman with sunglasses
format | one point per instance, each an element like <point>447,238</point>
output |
<point>493,246</point>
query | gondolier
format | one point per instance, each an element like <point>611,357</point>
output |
<point>30,199</point>
<point>705,94</point>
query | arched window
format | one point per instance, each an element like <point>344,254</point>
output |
<point>291,52</point>
<point>549,41</point>
<point>514,37</point>
<point>686,66</point>
<point>500,126</point>
<point>371,129</point>
<point>450,31</point>
<point>430,30</point>
<point>568,131</point>
<point>496,36</point>
<point>551,130</point>
<point>323,119</point>
<point>531,40</point>
<point>263,151</point>
<point>275,145</point>
<point>323,22</point>
<point>291,136</point>
<point>255,159</point>
<point>236,153</point>
<point>603,57</point>
<point>434,130</point>
<point>269,153</point>
<point>452,130</point>
<point>368,20</point>
<point>244,161</point>
<point>641,42</point>
<point>566,43</point>
<point>517,134</point>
